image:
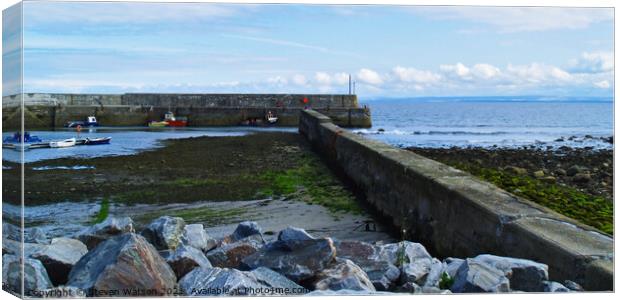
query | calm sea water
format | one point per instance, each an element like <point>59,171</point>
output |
<point>446,123</point>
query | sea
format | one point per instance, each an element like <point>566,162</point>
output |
<point>507,122</point>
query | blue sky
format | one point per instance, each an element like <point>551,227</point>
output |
<point>391,51</point>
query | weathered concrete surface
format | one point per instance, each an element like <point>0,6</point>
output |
<point>54,110</point>
<point>455,214</point>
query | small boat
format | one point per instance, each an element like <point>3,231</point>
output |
<point>158,124</point>
<point>91,121</point>
<point>17,138</point>
<point>170,121</point>
<point>97,141</point>
<point>63,144</point>
<point>272,120</point>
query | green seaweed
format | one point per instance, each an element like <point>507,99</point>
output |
<point>312,182</point>
<point>104,211</point>
<point>445,282</point>
<point>591,210</point>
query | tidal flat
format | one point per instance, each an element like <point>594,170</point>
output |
<point>218,181</point>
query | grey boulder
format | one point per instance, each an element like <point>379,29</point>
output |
<point>186,258</point>
<point>126,263</point>
<point>554,287</point>
<point>34,276</point>
<point>231,255</point>
<point>294,233</point>
<point>194,235</point>
<point>382,274</point>
<point>100,232</point>
<point>31,235</point>
<point>524,275</point>
<point>59,257</point>
<point>476,277</point>
<point>164,232</point>
<point>232,282</point>
<point>246,229</point>
<point>298,260</point>
<point>343,275</point>
<point>14,247</point>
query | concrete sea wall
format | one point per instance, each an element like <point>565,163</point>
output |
<point>54,110</point>
<point>455,214</point>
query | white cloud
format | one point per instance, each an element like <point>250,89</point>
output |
<point>514,19</point>
<point>485,71</point>
<point>593,62</point>
<point>415,75</point>
<point>341,78</point>
<point>458,70</point>
<point>299,79</point>
<point>277,80</point>
<point>369,76</point>
<point>602,84</point>
<point>323,78</point>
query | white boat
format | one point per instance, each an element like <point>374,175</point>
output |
<point>272,119</point>
<point>63,144</point>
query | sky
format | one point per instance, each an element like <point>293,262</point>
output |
<point>390,51</point>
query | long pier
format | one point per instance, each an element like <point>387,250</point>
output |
<point>45,110</point>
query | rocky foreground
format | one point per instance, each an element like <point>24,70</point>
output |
<point>170,257</point>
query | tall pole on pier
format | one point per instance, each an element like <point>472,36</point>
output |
<point>349,84</point>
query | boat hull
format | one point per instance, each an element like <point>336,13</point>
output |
<point>63,144</point>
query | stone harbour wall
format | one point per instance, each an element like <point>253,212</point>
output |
<point>455,214</point>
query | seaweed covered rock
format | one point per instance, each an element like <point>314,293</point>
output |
<point>186,258</point>
<point>296,259</point>
<point>125,264</point>
<point>343,275</point>
<point>165,232</point>
<point>35,276</point>
<point>59,257</point>
<point>100,232</point>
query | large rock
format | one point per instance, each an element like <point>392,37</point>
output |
<point>186,258</point>
<point>453,265</point>
<point>343,275</point>
<point>224,281</point>
<point>31,235</point>
<point>293,233</point>
<point>100,232</point>
<point>126,264</point>
<point>402,253</point>
<point>382,274</point>
<point>231,255</point>
<point>164,232</point>
<point>246,229</point>
<point>476,277</point>
<point>194,235</point>
<point>524,275</point>
<point>437,269</point>
<point>35,276</point>
<point>59,257</point>
<point>554,287</point>
<point>296,259</point>
<point>13,247</point>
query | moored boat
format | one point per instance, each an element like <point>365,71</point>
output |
<point>63,144</point>
<point>97,141</point>
<point>170,121</point>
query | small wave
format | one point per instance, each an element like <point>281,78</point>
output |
<point>44,168</point>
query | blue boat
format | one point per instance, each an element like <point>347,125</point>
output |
<point>91,121</point>
<point>97,141</point>
<point>17,138</point>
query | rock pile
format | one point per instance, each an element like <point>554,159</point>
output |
<point>170,257</point>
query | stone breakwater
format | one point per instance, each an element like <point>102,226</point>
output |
<point>455,214</point>
<point>175,258</point>
<point>42,110</point>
